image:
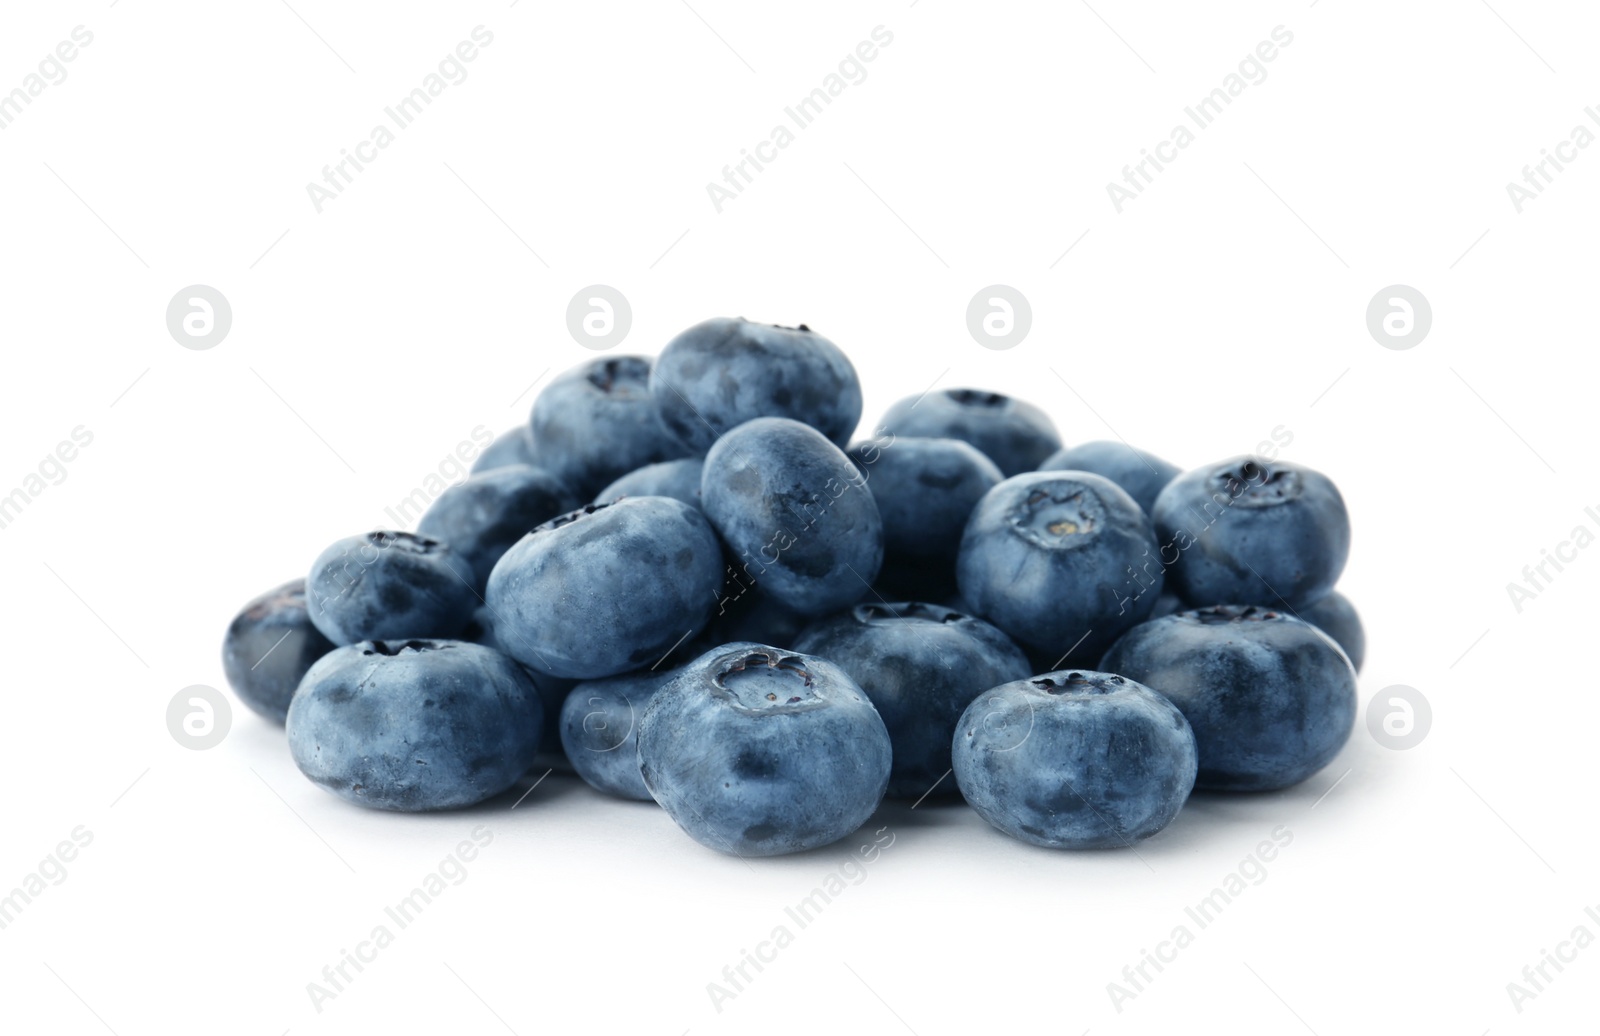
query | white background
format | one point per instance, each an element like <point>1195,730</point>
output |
<point>369,339</point>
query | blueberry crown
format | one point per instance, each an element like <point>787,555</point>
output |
<point>764,677</point>
<point>624,372</point>
<point>390,648</point>
<point>1254,483</point>
<point>561,520</point>
<point>409,542</point>
<point>1078,683</point>
<point>978,398</point>
<point>1223,614</point>
<point>1060,513</point>
<point>904,611</point>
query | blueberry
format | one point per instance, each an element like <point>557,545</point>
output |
<point>1075,760</point>
<point>389,585</point>
<point>1167,603</point>
<point>597,422</point>
<point>600,730</point>
<point>269,646</point>
<point>1064,562</point>
<point>485,629</point>
<point>1252,531</point>
<point>415,725</point>
<point>512,447</point>
<point>553,692</point>
<point>1017,436</point>
<point>1271,699</point>
<point>925,490</point>
<point>607,588</point>
<point>795,512</point>
<point>755,751</point>
<point>921,665</point>
<point>747,614</point>
<point>1337,617</point>
<point>1142,474</point>
<point>483,516</point>
<point>679,479</point>
<point>480,629</point>
<point>724,372</point>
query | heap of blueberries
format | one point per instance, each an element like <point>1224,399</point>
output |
<point>684,581</point>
